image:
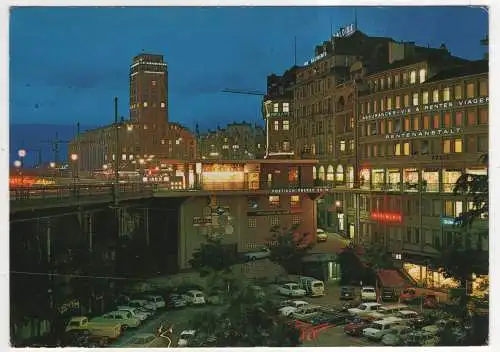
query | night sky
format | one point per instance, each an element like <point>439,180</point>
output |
<point>67,64</point>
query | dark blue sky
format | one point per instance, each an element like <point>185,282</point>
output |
<point>67,64</point>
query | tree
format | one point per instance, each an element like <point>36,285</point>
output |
<point>352,270</point>
<point>290,247</point>
<point>377,257</point>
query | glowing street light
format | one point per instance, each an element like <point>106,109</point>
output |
<point>22,153</point>
<point>141,161</point>
<point>105,167</point>
<point>52,164</point>
<point>74,157</point>
<point>17,163</point>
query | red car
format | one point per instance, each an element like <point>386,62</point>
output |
<point>356,326</point>
<point>408,295</point>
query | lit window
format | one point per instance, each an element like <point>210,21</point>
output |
<point>389,82</point>
<point>422,75</point>
<point>389,103</point>
<point>405,78</point>
<point>275,220</point>
<point>275,107</point>
<point>396,81</point>
<point>162,105</point>
<point>446,146</point>
<point>435,96</point>
<point>124,156</point>
<point>375,106</point>
<point>425,97</point>
<point>178,141</point>
<point>458,92</point>
<point>342,146</point>
<point>397,149</point>
<point>406,100</point>
<point>382,105</point>
<point>153,83</point>
<point>398,101</point>
<point>236,146</point>
<point>225,146</point>
<point>131,157</point>
<point>145,104</point>
<point>252,223</point>
<point>415,99</point>
<point>458,145</point>
<point>294,201</point>
<point>483,116</point>
<point>459,208</point>
<point>470,90</point>
<point>446,94</point>
<point>381,83</point>
<point>162,141</point>
<point>276,125</point>
<point>145,126</point>
<point>415,123</point>
<point>286,146</point>
<point>413,77</point>
<point>407,148</point>
<point>113,157</point>
<point>286,125</point>
<point>483,88</point>
<point>296,220</point>
<point>286,107</point>
<point>351,144</point>
<point>274,201</point>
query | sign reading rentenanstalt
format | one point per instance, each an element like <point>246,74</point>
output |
<point>428,107</point>
<point>424,133</point>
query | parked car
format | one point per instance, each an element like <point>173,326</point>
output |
<point>125,319</point>
<point>330,318</point>
<point>139,314</point>
<point>291,306</point>
<point>312,286</point>
<point>408,296</point>
<point>176,301</point>
<point>216,297</point>
<point>262,253</point>
<point>365,308</point>
<point>306,312</point>
<point>184,337</point>
<point>321,235</point>
<point>83,338</point>
<point>396,335</point>
<point>142,303</point>
<point>368,293</point>
<point>388,294</point>
<point>158,301</point>
<point>388,310</point>
<point>347,293</point>
<point>107,330</point>
<point>419,338</point>
<point>148,340</point>
<point>194,297</point>
<point>411,317</point>
<point>379,328</point>
<point>291,289</point>
<point>356,326</point>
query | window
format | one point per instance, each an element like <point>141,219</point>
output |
<point>162,104</point>
<point>446,94</point>
<point>276,125</point>
<point>389,103</point>
<point>252,223</point>
<point>295,201</point>
<point>275,220</point>
<point>382,126</point>
<point>458,118</point>
<point>415,123</point>
<point>286,107</point>
<point>470,90</point>
<point>381,83</point>
<point>471,118</point>
<point>406,100</point>
<point>286,146</point>
<point>286,125</point>
<point>435,96</point>
<point>422,75</point>
<point>342,145</point>
<point>415,99</point>
<point>424,147</point>
<point>276,107</point>
<point>389,126</point>
<point>351,145</point>
<point>436,207</point>
<point>389,82</point>
<point>446,146</point>
<point>397,149</point>
<point>382,105</point>
<point>274,201</point>
<point>407,124</point>
<point>448,208</point>
<point>162,141</point>
<point>398,102</point>
<point>407,148</point>
<point>426,122</point>
<point>471,144</point>
<point>145,126</point>
<point>153,83</point>
<point>396,81</point>
<point>405,78</point>
<point>458,145</point>
<point>482,144</point>
<point>425,97</point>
<point>458,92</point>
<point>436,123</point>
<point>483,88</point>
<point>447,120</point>
<point>145,104</point>
<point>296,220</point>
<point>483,116</point>
<point>375,106</point>
<point>413,77</point>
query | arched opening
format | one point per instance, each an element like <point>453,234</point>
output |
<point>340,173</point>
<point>330,176</point>
<point>321,174</point>
<point>315,173</point>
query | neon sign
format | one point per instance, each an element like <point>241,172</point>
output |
<point>386,217</point>
<point>447,221</point>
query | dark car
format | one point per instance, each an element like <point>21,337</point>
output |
<point>388,294</point>
<point>356,326</point>
<point>176,301</point>
<point>332,319</point>
<point>83,338</point>
<point>347,293</point>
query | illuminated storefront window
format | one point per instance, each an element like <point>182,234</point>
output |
<point>321,174</point>
<point>295,201</point>
<point>450,178</point>
<point>340,173</point>
<point>223,176</point>
<point>429,278</point>
<point>330,174</point>
<point>410,180</point>
<point>430,180</point>
<point>378,176</point>
<point>293,175</point>
<point>394,179</point>
<point>364,178</point>
<point>274,201</point>
<point>314,172</point>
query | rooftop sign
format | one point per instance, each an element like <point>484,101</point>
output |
<point>345,31</point>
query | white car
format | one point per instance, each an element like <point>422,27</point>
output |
<point>368,293</point>
<point>321,235</point>
<point>289,307</point>
<point>184,337</point>
<point>379,328</point>
<point>292,290</point>
<point>364,309</point>
<point>143,304</point>
<point>139,314</point>
<point>194,297</point>
<point>126,319</point>
<point>262,253</point>
<point>158,301</point>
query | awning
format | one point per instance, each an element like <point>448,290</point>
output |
<point>391,278</point>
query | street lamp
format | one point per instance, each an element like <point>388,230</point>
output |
<point>74,159</point>
<point>52,166</point>
<point>21,153</point>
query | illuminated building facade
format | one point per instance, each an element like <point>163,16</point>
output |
<point>237,141</point>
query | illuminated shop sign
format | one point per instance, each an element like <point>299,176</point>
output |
<point>202,221</point>
<point>268,212</point>
<point>428,107</point>
<point>300,190</point>
<point>386,217</point>
<point>346,31</point>
<point>447,221</point>
<point>424,133</point>
<point>314,59</point>
<point>278,114</point>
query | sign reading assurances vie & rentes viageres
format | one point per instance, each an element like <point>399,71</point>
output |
<point>427,107</point>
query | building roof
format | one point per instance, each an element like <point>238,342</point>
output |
<point>391,278</point>
<point>471,68</point>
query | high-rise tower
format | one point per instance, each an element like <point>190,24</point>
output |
<point>148,89</point>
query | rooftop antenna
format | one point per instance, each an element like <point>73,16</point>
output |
<point>295,50</point>
<point>355,18</point>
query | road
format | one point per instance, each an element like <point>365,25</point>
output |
<point>335,337</point>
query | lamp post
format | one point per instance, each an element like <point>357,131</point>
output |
<point>22,154</point>
<point>74,159</point>
<point>52,166</point>
<point>141,168</point>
